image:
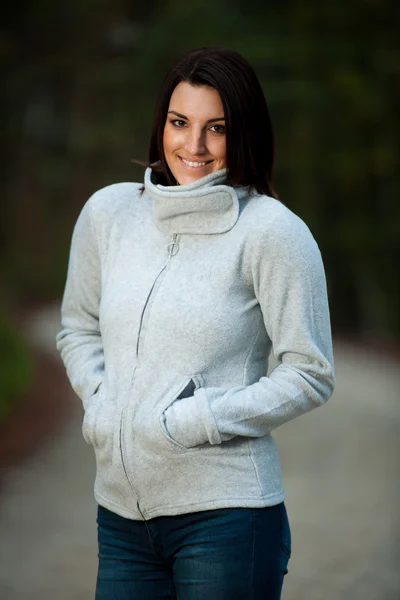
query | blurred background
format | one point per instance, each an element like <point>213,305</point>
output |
<point>79,83</point>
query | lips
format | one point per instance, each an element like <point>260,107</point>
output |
<point>194,164</point>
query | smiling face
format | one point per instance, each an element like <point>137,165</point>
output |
<point>194,133</point>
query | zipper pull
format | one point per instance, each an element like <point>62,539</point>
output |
<point>173,247</point>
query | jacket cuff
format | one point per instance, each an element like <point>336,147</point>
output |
<point>207,416</point>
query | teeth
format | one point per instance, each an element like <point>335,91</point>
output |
<point>193,164</point>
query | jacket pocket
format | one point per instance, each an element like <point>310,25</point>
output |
<point>186,389</point>
<point>97,426</point>
<point>89,418</point>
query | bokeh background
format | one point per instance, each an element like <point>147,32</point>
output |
<point>79,81</point>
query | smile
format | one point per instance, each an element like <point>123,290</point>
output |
<point>193,164</point>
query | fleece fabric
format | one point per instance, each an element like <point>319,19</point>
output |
<point>175,298</point>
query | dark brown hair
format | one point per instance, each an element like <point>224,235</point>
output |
<point>249,136</point>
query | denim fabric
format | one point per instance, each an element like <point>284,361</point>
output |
<point>224,554</point>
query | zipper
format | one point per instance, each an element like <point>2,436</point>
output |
<point>121,445</point>
<point>134,490</point>
<point>172,249</point>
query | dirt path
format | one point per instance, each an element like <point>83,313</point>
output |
<point>340,466</point>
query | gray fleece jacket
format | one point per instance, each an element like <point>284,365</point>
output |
<point>175,298</point>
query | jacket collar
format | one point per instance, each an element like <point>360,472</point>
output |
<point>205,206</point>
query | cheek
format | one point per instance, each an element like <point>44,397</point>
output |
<point>219,149</point>
<point>166,141</point>
<point>171,139</point>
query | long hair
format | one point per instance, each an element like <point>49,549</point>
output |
<point>249,136</point>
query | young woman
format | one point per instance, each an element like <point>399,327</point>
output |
<point>177,293</point>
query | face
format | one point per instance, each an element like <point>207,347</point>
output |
<point>194,133</point>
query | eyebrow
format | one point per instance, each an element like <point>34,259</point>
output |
<point>186,119</point>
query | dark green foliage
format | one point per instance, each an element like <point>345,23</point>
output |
<point>80,84</point>
<point>16,368</point>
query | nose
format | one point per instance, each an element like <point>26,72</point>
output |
<point>195,142</point>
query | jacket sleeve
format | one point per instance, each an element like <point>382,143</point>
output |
<point>79,342</point>
<point>289,283</point>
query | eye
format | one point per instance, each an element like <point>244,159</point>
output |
<point>218,129</point>
<point>178,123</point>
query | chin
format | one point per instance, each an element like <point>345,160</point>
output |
<point>184,177</point>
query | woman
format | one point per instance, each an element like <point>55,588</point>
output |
<point>176,294</point>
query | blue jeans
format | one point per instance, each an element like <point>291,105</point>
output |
<point>225,554</point>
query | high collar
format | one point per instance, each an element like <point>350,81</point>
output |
<point>205,206</point>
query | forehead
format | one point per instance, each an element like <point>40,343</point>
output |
<point>196,102</point>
